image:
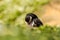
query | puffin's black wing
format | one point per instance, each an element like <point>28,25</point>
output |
<point>37,22</point>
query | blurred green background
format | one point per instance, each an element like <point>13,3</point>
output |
<point>13,26</point>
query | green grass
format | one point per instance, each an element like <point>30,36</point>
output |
<point>25,33</point>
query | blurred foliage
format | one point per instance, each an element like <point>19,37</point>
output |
<point>12,24</point>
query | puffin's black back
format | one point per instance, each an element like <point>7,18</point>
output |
<point>32,15</point>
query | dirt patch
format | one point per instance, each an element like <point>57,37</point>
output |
<point>51,14</point>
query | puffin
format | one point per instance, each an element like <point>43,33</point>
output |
<point>32,20</point>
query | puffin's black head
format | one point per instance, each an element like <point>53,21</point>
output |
<point>29,17</point>
<point>33,20</point>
